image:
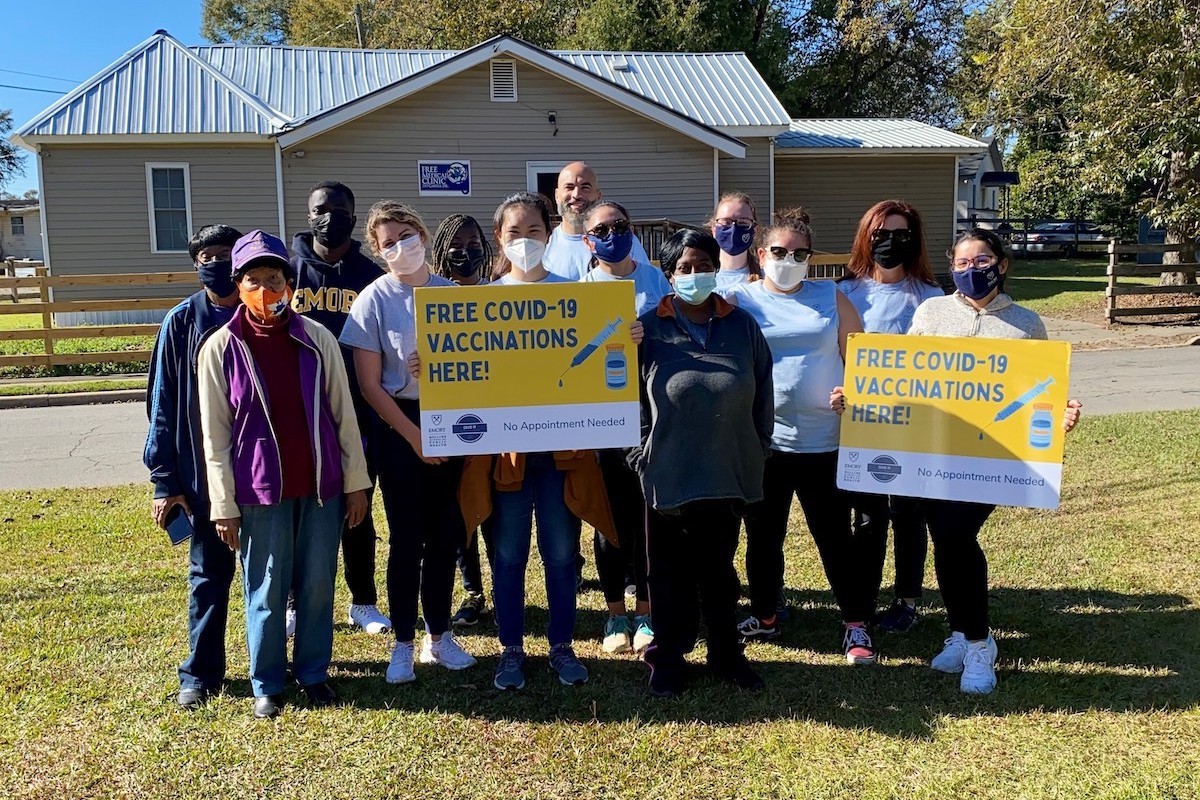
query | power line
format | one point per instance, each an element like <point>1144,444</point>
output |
<point>35,75</point>
<point>30,89</point>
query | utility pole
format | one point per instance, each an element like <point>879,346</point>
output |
<point>358,27</point>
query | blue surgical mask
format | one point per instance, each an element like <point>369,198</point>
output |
<point>217,277</point>
<point>695,288</point>
<point>735,239</point>
<point>612,249</point>
<point>977,283</point>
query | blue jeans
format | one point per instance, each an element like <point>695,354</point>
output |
<point>209,579</point>
<point>558,529</point>
<point>292,545</point>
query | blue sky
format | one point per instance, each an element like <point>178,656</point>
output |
<point>75,39</point>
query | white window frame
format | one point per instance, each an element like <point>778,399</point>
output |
<point>187,198</point>
<point>12,223</point>
<point>534,168</point>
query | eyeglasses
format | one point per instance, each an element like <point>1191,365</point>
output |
<point>800,253</point>
<point>898,236</point>
<point>741,222</point>
<point>978,262</point>
<point>602,231</point>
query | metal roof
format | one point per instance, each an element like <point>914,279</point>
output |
<point>163,87</point>
<point>833,135</point>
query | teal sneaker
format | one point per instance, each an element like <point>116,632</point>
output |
<point>570,670</point>
<point>616,634</point>
<point>643,637</point>
<point>510,672</point>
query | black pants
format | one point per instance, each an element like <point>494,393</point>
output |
<point>871,515</point>
<point>425,530</point>
<point>812,477</point>
<point>691,571</point>
<point>960,564</point>
<point>468,559</point>
<point>615,563</point>
<point>358,543</point>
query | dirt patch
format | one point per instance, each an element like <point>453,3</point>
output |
<point>1149,301</point>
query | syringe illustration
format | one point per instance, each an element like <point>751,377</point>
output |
<point>1018,404</point>
<point>591,347</point>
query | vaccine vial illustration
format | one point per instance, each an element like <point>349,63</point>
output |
<point>1041,426</point>
<point>615,368</point>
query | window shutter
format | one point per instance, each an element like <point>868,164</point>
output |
<point>504,81</point>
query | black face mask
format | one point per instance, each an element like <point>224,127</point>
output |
<point>332,229</point>
<point>217,277</point>
<point>466,262</point>
<point>890,253</point>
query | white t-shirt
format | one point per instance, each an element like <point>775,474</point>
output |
<point>568,255</point>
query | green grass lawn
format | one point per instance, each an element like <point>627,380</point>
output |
<point>12,322</point>
<point>1095,609</point>
<point>71,387</point>
<point>1064,287</point>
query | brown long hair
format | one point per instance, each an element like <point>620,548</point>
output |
<point>862,262</point>
<point>751,255</point>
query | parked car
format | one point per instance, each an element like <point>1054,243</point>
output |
<point>1061,238</point>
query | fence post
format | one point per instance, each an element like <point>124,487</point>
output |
<point>9,268</point>
<point>1110,302</point>
<point>47,315</point>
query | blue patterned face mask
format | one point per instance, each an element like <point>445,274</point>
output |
<point>735,239</point>
<point>977,283</point>
<point>695,288</point>
<point>612,249</point>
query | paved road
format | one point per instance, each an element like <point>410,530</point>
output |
<point>102,445</point>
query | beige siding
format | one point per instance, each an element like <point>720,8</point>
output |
<point>751,174</point>
<point>837,190</point>
<point>652,170</point>
<point>28,245</point>
<point>97,216</point>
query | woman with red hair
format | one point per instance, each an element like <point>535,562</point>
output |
<point>887,277</point>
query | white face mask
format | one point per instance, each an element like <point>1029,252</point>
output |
<point>407,256</point>
<point>525,254</point>
<point>786,273</point>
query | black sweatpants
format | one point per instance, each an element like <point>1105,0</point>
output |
<point>425,530</point>
<point>627,559</point>
<point>358,543</point>
<point>872,513</point>
<point>691,571</point>
<point>811,477</point>
<point>468,559</point>
<point>960,564</point>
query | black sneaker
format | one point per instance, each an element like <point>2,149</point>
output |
<point>738,672</point>
<point>191,698</point>
<point>900,617</point>
<point>783,611</point>
<point>754,629</point>
<point>667,675</point>
<point>469,612</point>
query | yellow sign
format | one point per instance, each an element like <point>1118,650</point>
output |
<point>955,418</point>
<point>547,366</point>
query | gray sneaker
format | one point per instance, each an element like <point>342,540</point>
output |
<point>510,672</point>
<point>570,670</point>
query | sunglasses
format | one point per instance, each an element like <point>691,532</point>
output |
<point>799,254</point>
<point>620,227</point>
<point>901,236</point>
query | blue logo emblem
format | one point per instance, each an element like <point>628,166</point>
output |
<point>469,428</point>
<point>884,469</point>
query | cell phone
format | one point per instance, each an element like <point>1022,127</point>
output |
<point>179,525</point>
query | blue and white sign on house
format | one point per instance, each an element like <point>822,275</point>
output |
<point>444,177</point>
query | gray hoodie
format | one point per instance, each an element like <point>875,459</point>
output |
<point>953,315</point>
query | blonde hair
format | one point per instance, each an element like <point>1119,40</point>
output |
<point>393,211</point>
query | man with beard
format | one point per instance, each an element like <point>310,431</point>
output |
<point>566,253</point>
<point>331,270</point>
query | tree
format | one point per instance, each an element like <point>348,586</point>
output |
<point>1116,85</point>
<point>10,157</point>
<point>246,21</point>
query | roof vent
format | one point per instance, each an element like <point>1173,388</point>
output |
<point>619,64</point>
<point>504,81</point>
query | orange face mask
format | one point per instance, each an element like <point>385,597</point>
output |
<point>266,304</point>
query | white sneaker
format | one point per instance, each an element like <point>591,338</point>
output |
<point>289,622</point>
<point>979,667</point>
<point>950,660</point>
<point>400,670</point>
<point>445,652</point>
<point>369,619</point>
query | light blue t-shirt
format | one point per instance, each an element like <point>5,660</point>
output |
<point>567,254</point>
<point>887,307</point>
<point>508,280</point>
<point>729,278</point>
<point>649,284</point>
<point>383,320</point>
<point>802,330</point>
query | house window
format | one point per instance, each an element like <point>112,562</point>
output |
<point>18,226</point>
<point>169,197</point>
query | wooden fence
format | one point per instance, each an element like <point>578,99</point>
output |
<point>49,333</point>
<point>1118,269</point>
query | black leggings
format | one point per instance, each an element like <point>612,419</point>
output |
<point>358,543</point>
<point>425,527</point>
<point>960,564</point>
<point>812,477</point>
<point>871,515</point>
<point>616,563</point>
